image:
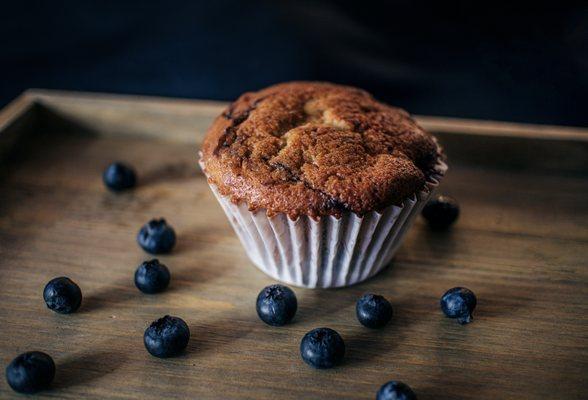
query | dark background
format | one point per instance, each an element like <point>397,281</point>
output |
<point>520,62</point>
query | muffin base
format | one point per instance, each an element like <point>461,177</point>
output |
<point>328,252</point>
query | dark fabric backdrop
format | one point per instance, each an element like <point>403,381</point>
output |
<point>521,62</point>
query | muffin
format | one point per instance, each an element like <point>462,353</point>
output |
<point>320,181</point>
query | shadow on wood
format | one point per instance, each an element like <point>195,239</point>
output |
<point>83,368</point>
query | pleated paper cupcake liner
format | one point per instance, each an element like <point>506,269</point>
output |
<point>329,252</point>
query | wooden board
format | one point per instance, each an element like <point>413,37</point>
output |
<point>521,244</point>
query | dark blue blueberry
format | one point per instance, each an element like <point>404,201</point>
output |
<point>30,372</point>
<point>152,277</point>
<point>276,305</point>
<point>157,237</point>
<point>166,337</point>
<point>118,176</point>
<point>373,311</point>
<point>62,295</point>
<point>441,212</point>
<point>322,348</point>
<point>459,303</point>
<point>395,390</point>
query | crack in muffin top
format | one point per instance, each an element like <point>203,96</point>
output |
<point>317,149</point>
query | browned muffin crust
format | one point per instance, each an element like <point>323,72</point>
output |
<point>317,149</point>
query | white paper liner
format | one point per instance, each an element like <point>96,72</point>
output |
<point>329,252</point>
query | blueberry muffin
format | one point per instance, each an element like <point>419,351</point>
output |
<point>319,180</point>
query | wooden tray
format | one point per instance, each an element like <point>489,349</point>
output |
<point>521,244</point>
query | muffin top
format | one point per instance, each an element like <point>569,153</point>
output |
<point>312,148</point>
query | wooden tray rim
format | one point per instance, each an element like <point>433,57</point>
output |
<point>23,103</point>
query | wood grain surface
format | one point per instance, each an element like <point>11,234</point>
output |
<point>521,244</point>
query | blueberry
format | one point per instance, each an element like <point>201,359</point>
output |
<point>395,390</point>
<point>373,311</point>
<point>441,212</point>
<point>156,237</point>
<point>118,176</point>
<point>322,348</point>
<point>276,305</point>
<point>459,303</point>
<point>166,337</point>
<point>30,372</point>
<point>152,277</point>
<point>62,295</point>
